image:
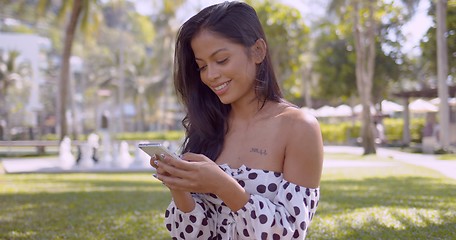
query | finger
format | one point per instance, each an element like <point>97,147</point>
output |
<point>153,161</point>
<point>176,171</point>
<point>178,163</point>
<point>161,171</point>
<point>175,183</point>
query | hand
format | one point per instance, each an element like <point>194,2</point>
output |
<point>154,160</point>
<point>194,173</point>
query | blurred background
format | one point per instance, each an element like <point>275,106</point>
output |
<point>373,72</point>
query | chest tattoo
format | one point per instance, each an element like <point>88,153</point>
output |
<point>259,151</point>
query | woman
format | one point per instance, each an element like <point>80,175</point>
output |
<point>252,162</point>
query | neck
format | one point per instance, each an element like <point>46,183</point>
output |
<point>248,111</point>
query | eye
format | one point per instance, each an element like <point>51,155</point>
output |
<point>222,61</point>
<point>201,68</point>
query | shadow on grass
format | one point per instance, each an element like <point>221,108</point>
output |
<point>96,209</point>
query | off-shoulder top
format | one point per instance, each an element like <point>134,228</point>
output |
<point>277,209</point>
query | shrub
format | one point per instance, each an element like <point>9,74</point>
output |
<point>347,132</point>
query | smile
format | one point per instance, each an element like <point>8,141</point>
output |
<point>221,86</point>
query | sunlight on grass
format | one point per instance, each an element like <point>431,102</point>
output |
<point>447,157</point>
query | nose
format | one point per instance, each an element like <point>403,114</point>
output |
<point>212,72</point>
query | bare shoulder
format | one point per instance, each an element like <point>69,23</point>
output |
<point>304,148</point>
<point>298,118</point>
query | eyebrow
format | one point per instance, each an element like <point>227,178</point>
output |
<point>219,50</point>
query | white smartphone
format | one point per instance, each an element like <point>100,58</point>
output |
<point>157,148</point>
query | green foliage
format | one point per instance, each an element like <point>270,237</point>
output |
<point>335,52</point>
<point>416,129</point>
<point>287,36</point>
<point>429,42</point>
<point>335,64</point>
<point>345,132</point>
<point>169,135</point>
<point>340,133</point>
<point>144,136</point>
<point>393,129</point>
<point>143,28</point>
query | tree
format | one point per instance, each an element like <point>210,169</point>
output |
<point>335,63</point>
<point>365,17</point>
<point>80,14</point>
<point>442,73</point>
<point>365,62</point>
<point>287,36</point>
<point>428,43</point>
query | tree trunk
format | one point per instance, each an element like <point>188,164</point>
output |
<point>365,63</point>
<point>442,74</point>
<point>4,121</point>
<point>65,68</point>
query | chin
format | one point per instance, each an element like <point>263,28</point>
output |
<point>225,100</point>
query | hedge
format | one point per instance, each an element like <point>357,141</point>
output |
<point>347,132</point>
<point>132,136</point>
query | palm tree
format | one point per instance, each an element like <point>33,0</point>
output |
<point>80,13</point>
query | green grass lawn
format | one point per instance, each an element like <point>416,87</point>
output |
<point>391,202</point>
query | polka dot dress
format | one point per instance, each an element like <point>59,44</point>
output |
<point>277,209</point>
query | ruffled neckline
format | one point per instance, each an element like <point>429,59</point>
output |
<point>244,167</point>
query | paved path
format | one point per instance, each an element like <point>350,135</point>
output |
<point>446,167</point>
<point>52,165</point>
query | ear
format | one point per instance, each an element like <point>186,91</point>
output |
<point>259,50</point>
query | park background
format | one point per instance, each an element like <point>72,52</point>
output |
<point>108,70</point>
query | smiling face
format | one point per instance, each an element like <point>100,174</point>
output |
<point>225,67</point>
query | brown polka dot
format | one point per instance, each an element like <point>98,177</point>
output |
<point>246,233</point>
<point>272,187</point>
<point>253,215</point>
<point>289,196</point>
<point>303,225</point>
<point>263,218</point>
<point>261,188</point>
<point>264,236</point>
<point>296,234</point>
<point>253,176</point>
<point>189,229</point>
<point>297,210</point>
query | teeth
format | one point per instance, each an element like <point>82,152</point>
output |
<point>221,86</point>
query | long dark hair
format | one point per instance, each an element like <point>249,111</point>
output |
<point>206,119</point>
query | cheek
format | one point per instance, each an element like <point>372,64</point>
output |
<point>203,78</point>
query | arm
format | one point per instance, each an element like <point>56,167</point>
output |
<point>303,162</point>
<point>188,216</point>
<point>196,224</point>
<point>199,174</point>
<point>289,214</point>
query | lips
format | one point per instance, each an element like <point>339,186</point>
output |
<point>219,89</point>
